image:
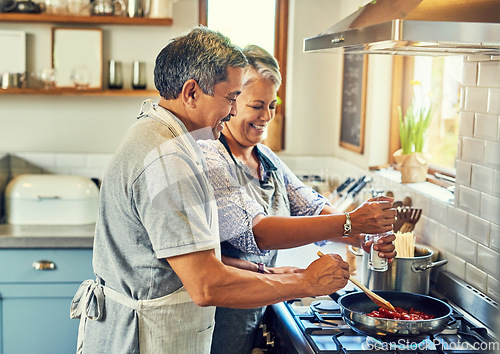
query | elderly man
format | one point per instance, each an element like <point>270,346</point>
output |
<point>156,248</point>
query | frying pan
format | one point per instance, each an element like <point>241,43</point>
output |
<point>355,306</point>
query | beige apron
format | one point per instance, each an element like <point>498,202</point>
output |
<point>170,324</point>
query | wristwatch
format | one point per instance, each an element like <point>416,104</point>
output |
<point>261,267</point>
<point>347,225</point>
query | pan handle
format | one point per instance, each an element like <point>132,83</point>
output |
<point>423,267</point>
<point>337,295</point>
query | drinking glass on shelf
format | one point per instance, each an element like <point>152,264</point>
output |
<point>47,76</point>
<point>78,7</point>
<point>81,77</point>
<point>56,7</point>
<point>115,80</point>
<point>139,75</point>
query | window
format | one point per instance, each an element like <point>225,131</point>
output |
<point>223,16</point>
<point>260,22</point>
<point>440,78</point>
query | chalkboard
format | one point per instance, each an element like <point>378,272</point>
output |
<point>352,122</point>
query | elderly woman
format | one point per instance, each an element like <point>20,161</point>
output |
<point>263,206</point>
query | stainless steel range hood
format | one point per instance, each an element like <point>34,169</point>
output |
<point>416,27</point>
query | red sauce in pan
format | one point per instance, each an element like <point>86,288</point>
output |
<point>400,314</point>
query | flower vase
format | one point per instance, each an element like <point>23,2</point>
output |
<point>413,167</point>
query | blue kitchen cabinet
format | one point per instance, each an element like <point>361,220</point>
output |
<point>35,303</point>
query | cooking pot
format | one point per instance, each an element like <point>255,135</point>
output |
<point>355,306</point>
<point>410,274</point>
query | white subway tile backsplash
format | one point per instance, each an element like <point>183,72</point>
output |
<point>439,212</point>
<point>493,287</point>
<point>475,277</point>
<point>469,200</point>
<point>71,160</point>
<point>482,178</point>
<point>446,239</point>
<point>472,150</point>
<point>466,124</point>
<point>488,261</point>
<point>469,77</point>
<point>479,229</point>
<point>498,130</point>
<point>495,237</point>
<point>490,208</point>
<point>492,154</point>
<point>419,226</point>
<point>47,161</point>
<point>422,201</point>
<point>486,126</point>
<point>494,101</point>
<point>463,172</point>
<point>455,266</point>
<point>89,165</point>
<point>429,233</point>
<point>476,99</point>
<point>457,219</point>
<point>466,249</point>
<point>98,160</point>
<point>488,74</point>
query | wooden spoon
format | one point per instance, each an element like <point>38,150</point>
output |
<point>381,302</point>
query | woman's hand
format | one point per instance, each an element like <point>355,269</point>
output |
<point>384,246</point>
<point>374,216</point>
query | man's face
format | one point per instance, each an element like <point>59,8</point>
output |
<point>216,109</point>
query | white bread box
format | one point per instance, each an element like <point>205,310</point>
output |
<point>49,199</point>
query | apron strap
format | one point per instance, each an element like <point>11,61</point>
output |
<point>88,304</point>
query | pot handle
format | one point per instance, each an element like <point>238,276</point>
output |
<point>423,267</point>
<point>353,251</point>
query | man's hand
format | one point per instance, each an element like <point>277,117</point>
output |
<point>283,270</point>
<point>327,274</point>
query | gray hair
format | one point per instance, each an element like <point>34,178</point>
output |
<point>264,63</point>
<point>203,55</point>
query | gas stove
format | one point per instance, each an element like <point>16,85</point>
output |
<point>315,325</point>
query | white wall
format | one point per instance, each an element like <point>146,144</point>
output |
<point>70,124</point>
<point>314,84</point>
<point>76,123</point>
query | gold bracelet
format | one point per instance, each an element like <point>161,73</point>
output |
<point>347,225</point>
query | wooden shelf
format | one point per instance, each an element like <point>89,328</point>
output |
<point>75,92</point>
<point>70,19</point>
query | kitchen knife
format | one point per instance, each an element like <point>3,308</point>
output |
<point>350,197</point>
<point>343,197</point>
<point>337,192</point>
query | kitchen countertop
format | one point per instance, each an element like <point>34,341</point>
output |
<point>46,236</point>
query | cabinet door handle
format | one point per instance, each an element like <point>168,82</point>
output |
<point>44,265</point>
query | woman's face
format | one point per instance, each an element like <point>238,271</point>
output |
<point>256,108</point>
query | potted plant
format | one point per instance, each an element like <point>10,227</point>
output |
<point>413,128</point>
